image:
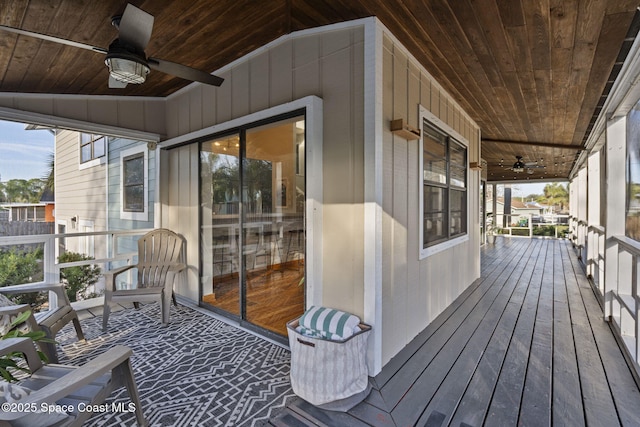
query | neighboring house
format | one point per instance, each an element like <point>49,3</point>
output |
<point>93,193</point>
<point>519,210</point>
<point>29,212</point>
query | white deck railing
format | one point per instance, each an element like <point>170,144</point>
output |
<point>524,225</point>
<point>111,251</point>
<point>594,261</point>
<point>621,291</point>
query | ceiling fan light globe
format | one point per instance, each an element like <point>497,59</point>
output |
<point>127,70</point>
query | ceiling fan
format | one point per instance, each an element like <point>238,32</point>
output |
<point>126,59</point>
<point>520,166</point>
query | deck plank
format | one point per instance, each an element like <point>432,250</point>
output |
<point>526,344</point>
<point>567,402</point>
<point>397,386</point>
<point>599,408</point>
<point>489,265</point>
<point>475,401</point>
<point>463,370</point>
<point>622,386</point>
<point>535,408</point>
<point>412,405</point>
<point>504,407</point>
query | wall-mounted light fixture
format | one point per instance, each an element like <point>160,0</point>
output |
<point>404,130</point>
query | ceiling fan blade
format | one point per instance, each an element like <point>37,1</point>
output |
<point>184,72</point>
<point>116,84</point>
<point>135,27</point>
<point>52,39</point>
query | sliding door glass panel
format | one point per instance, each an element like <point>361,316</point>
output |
<point>273,194</point>
<point>220,213</point>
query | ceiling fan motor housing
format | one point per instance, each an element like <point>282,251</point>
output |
<point>126,63</point>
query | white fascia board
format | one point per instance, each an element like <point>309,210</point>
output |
<point>22,116</point>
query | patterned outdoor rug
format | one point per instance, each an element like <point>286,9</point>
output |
<point>197,371</point>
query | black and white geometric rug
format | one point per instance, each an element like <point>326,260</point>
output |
<point>197,371</point>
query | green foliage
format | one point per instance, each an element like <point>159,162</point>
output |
<point>22,266</point>
<point>79,278</point>
<point>22,190</point>
<point>9,361</point>
<point>557,195</point>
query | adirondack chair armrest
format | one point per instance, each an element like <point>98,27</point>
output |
<point>22,345</point>
<point>74,379</point>
<point>13,310</point>
<point>81,376</point>
<point>57,288</point>
<point>177,267</point>
<point>110,275</point>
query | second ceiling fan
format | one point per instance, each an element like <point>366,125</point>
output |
<point>125,56</point>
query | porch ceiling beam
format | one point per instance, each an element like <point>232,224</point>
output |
<point>536,143</point>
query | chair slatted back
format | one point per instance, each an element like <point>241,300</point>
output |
<point>157,251</point>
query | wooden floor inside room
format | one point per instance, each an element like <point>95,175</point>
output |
<point>526,344</point>
<point>274,296</point>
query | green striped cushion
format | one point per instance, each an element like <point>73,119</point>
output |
<point>328,323</point>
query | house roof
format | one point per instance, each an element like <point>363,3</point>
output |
<point>531,75</point>
<point>518,204</point>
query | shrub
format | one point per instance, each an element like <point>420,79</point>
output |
<point>78,279</point>
<point>22,266</point>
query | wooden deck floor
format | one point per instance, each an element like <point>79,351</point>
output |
<point>526,344</point>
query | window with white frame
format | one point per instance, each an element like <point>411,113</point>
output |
<point>444,181</point>
<point>92,147</point>
<point>134,184</point>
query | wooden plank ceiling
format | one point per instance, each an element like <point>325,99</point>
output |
<point>531,74</point>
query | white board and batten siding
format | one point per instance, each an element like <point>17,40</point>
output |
<point>325,64</point>
<point>329,64</point>
<point>416,290</point>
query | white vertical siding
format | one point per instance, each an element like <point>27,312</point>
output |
<point>415,291</point>
<point>181,210</point>
<point>328,65</point>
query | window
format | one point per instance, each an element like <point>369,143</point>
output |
<point>91,147</point>
<point>134,184</point>
<point>444,186</point>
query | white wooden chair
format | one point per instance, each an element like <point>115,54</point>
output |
<point>72,388</point>
<point>160,258</point>
<point>50,321</point>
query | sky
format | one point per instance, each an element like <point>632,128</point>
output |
<point>24,154</point>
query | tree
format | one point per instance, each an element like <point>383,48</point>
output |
<point>77,279</point>
<point>22,266</point>
<point>557,195</point>
<point>49,178</point>
<point>22,191</point>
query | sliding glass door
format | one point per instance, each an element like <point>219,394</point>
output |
<point>252,223</point>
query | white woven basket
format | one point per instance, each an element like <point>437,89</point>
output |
<point>324,371</point>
